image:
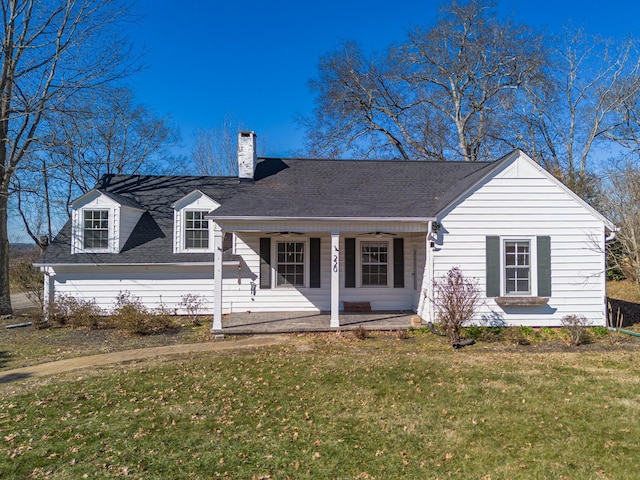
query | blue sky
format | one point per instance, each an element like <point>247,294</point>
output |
<point>251,60</point>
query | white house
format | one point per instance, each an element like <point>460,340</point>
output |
<point>314,235</point>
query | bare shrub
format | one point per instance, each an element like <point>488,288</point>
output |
<point>133,317</point>
<point>403,334</point>
<point>456,300</point>
<point>360,333</point>
<point>576,328</point>
<point>193,303</point>
<point>614,324</point>
<point>75,312</point>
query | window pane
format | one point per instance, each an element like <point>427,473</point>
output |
<point>517,267</point>
<point>96,229</point>
<point>374,257</point>
<point>290,266</point>
<point>196,233</point>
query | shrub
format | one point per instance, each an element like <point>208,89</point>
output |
<point>517,335</point>
<point>193,304</point>
<point>473,331</point>
<point>456,300</point>
<point>615,324</point>
<point>403,334</point>
<point>133,317</point>
<point>576,328</point>
<point>360,333</point>
<point>75,312</point>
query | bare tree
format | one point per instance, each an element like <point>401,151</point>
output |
<point>587,105</point>
<point>51,51</point>
<point>106,133</point>
<point>622,206</point>
<point>214,149</point>
<point>444,94</point>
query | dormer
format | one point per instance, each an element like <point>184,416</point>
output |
<point>102,222</point>
<point>191,231</point>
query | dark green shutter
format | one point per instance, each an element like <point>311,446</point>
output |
<point>314,263</point>
<point>398,262</point>
<point>350,262</point>
<point>544,266</point>
<point>265,262</point>
<point>493,266</point>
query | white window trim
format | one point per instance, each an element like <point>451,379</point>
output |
<point>195,201</point>
<point>79,246</point>
<point>533,267</point>
<point>183,233</point>
<point>389,241</point>
<point>274,263</point>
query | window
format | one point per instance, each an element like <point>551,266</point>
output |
<point>517,263</point>
<point>375,263</point>
<point>518,267</point>
<point>290,265</point>
<point>96,229</point>
<point>196,230</point>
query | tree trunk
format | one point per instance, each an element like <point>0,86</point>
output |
<point>5,297</point>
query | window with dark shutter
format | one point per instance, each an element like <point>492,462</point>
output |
<point>314,263</point>
<point>398,262</point>
<point>350,262</point>
<point>544,266</point>
<point>493,266</point>
<point>265,263</point>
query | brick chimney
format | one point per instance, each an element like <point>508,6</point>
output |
<point>247,156</point>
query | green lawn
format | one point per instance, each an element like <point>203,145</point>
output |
<point>332,407</point>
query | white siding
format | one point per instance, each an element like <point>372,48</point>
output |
<point>128,220</point>
<point>152,284</point>
<point>318,299</point>
<point>521,202</point>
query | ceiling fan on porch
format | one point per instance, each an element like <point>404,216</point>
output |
<point>286,234</point>
<point>377,234</point>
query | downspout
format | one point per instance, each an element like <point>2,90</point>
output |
<point>611,236</point>
<point>431,267</point>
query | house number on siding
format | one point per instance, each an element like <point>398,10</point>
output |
<point>335,259</point>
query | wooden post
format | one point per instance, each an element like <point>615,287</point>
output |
<point>335,279</point>
<point>218,235</point>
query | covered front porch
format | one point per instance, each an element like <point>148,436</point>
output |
<point>321,265</point>
<point>293,322</point>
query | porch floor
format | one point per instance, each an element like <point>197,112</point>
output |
<point>293,322</point>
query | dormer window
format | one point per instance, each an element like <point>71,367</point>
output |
<point>102,222</point>
<point>193,233</point>
<point>196,230</point>
<point>96,229</point>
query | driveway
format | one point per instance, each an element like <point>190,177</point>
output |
<point>20,303</point>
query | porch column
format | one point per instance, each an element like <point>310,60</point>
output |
<point>335,279</point>
<point>217,278</point>
<point>425,304</point>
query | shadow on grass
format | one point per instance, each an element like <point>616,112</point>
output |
<point>13,377</point>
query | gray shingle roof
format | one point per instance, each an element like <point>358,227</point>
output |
<point>152,239</point>
<point>283,188</point>
<point>300,188</point>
